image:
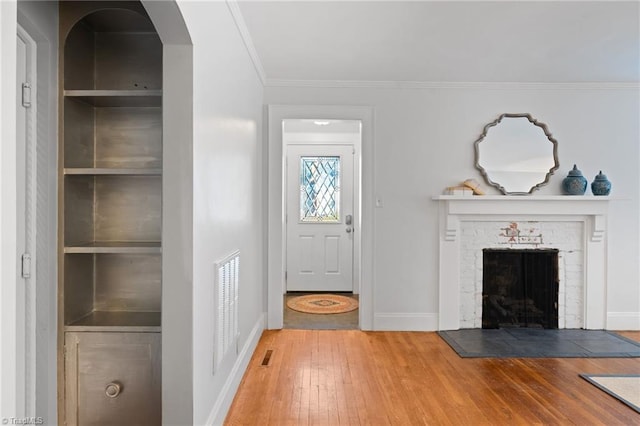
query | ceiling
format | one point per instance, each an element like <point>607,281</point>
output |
<point>446,41</point>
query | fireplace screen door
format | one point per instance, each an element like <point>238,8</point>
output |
<point>520,288</point>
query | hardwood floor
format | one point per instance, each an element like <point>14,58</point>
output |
<point>351,377</point>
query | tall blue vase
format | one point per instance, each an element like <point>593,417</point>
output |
<point>575,183</point>
<point>601,185</point>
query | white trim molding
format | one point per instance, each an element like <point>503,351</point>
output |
<point>464,85</point>
<point>623,320</point>
<point>225,397</point>
<point>236,13</point>
<point>29,213</point>
<point>590,211</point>
<point>390,321</point>
<point>276,220</point>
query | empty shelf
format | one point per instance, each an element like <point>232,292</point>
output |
<point>122,247</point>
<point>118,98</point>
<point>117,321</point>
<point>111,171</point>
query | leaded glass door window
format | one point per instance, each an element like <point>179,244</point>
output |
<point>320,189</point>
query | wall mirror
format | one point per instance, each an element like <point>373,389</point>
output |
<point>516,154</point>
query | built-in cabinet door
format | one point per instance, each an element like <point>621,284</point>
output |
<point>113,378</point>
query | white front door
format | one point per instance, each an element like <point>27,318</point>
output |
<point>319,215</point>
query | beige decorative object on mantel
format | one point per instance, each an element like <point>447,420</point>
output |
<point>474,185</point>
<point>460,190</point>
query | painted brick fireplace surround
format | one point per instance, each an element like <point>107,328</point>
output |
<point>574,225</point>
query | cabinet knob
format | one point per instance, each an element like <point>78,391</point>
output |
<point>113,389</point>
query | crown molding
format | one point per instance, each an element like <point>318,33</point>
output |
<point>234,8</point>
<point>354,84</point>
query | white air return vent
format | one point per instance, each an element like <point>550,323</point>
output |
<point>226,306</point>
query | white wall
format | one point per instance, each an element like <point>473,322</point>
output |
<point>227,196</point>
<point>8,222</point>
<point>424,142</point>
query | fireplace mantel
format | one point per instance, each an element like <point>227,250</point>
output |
<point>591,211</point>
<point>457,207</point>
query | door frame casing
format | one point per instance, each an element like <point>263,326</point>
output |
<point>26,195</point>
<point>276,191</point>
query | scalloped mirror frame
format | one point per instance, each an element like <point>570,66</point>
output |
<point>533,121</point>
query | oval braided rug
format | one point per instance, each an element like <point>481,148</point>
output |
<point>322,304</point>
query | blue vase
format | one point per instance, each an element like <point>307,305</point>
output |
<point>601,185</point>
<point>574,183</point>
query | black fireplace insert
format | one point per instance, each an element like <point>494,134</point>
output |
<point>520,288</point>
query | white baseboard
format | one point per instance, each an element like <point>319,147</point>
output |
<point>225,398</point>
<point>623,321</point>
<point>405,322</point>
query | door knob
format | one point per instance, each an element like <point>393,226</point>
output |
<point>348,229</point>
<point>113,389</point>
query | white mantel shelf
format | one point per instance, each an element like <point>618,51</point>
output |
<point>515,206</point>
<point>474,198</point>
<point>591,211</point>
